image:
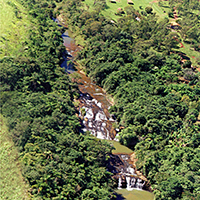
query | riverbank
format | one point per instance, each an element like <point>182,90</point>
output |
<point>134,195</point>
<point>93,106</point>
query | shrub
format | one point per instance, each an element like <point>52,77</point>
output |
<point>148,10</point>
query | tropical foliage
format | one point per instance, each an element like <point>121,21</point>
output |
<point>157,112</point>
<point>134,59</point>
<point>58,160</point>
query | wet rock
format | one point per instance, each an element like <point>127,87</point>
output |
<point>86,119</point>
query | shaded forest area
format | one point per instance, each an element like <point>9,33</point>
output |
<point>133,61</point>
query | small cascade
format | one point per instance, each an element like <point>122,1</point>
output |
<point>128,185</point>
<point>96,118</point>
<point>139,184</point>
<point>123,169</point>
<point>119,183</point>
<point>93,112</point>
<point>131,182</point>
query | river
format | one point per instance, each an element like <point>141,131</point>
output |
<point>93,112</point>
<point>93,104</point>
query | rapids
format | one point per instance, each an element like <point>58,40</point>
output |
<point>94,114</point>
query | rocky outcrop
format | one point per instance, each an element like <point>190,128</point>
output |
<point>124,170</point>
<point>96,118</point>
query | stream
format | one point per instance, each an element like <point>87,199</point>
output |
<point>92,101</point>
<point>93,110</point>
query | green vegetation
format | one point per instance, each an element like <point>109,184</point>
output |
<point>14,26</point>
<point>37,97</point>
<point>135,194</point>
<point>133,61</point>
<point>192,54</point>
<point>188,17</point>
<point>12,183</point>
<point>140,5</point>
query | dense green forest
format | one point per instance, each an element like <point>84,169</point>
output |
<point>135,62</point>
<point>189,19</point>
<point>37,96</point>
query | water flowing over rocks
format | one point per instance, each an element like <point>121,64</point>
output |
<point>93,112</point>
<point>124,170</point>
<point>96,119</point>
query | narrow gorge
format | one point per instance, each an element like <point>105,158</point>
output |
<point>93,108</point>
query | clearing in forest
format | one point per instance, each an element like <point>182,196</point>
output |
<point>139,5</point>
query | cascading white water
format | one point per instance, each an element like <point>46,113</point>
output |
<point>119,183</point>
<point>97,119</point>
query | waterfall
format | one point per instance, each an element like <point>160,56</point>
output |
<point>139,184</point>
<point>119,183</point>
<point>128,186</point>
<point>133,182</point>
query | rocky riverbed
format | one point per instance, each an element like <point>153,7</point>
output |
<point>93,111</point>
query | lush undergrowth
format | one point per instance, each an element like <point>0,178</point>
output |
<point>12,183</point>
<point>132,60</point>
<point>158,114</point>
<point>37,97</point>
<point>163,10</point>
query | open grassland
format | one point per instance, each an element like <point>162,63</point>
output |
<point>12,184</point>
<point>134,195</point>
<point>13,28</point>
<point>120,148</point>
<point>139,5</point>
<point>161,11</point>
<point>193,55</point>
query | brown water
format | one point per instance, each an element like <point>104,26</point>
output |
<point>93,110</point>
<point>93,101</point>
<point>84,82</point>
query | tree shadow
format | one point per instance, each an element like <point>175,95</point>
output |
<point>119,196</point>
<point>106,7</point>
<point>165,6</point>
<point>183,55</point>
<point>187,42</point>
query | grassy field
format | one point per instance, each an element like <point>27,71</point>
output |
<point>193,55</point>
<point>13,28</point>
<point>12,184</point>
<point>134,195</point>
<point>13,32</point>
<point>120,148</point>
<point>138,5</point>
